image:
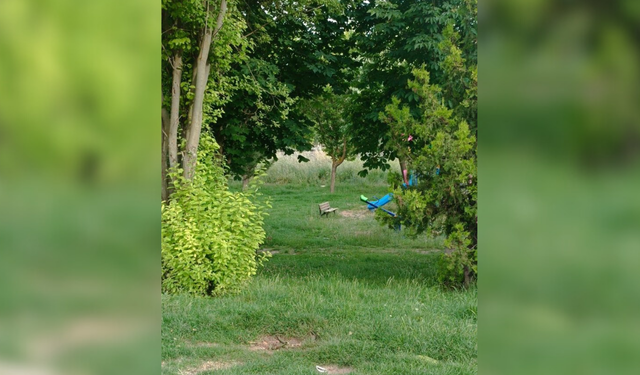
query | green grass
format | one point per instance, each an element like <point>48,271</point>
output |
<point>294,221</point>
<point>351,293</point>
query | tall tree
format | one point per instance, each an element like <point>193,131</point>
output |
<point>193,40</point>
<point>441,149</point>
<point>393,38</point>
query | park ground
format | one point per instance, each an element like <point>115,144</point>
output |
<point>339,292</point>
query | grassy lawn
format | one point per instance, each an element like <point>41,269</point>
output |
<point>340,292</point>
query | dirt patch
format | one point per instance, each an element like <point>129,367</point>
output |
<point>331,369</point>
<point>272,343</point>
<point>355,214</point>
<point>209,366</point>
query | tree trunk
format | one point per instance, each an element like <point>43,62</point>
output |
<point>185,129</point>
<point>249,172</point>
<point>467,276</point>
<point>195,127</point>
<point>202,69</point>
<point>175,110</point>
<point>245,181</point>
<point>334,167</point>
<point>335,163</point>
<point>164,194</point>
<point>403,167</point>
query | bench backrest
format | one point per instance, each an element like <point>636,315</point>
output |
<point>324,206</point>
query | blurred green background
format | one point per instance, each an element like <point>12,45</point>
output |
<point>559,187</point>
<point>79,191</point>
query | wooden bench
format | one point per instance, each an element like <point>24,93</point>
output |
<point>325,209</point>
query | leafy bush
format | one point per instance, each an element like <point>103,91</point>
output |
<point>209,234</point>
<point>460,262</point>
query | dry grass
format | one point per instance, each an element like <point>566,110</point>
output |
<point>287,170</point>
<point>271,343</point>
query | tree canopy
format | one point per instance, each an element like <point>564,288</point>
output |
<point>292,57</point>
<point>393,38</point>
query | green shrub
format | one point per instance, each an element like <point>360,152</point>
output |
<point>441,149</point>
<point>460,258</point>
<point>209,234</point>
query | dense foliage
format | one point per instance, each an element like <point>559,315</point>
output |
<point>440,148</point>
<point>293,54</point>
<point>392,39</point>
<point>209,234</point>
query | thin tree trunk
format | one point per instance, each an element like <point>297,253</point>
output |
<point>403,165</point>
<point>195,127</point>
<point>467,276</point>
<point>175,110</point>
<point>164,194</point>
<point>245,181</point>
<point>336,163</point>
<point>202,69</point>
<point>249,172</point>
<point>185,131</point>
<point>334,167</point>
<point>221,14</point>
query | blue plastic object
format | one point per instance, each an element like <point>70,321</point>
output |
<point>372,205</point>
